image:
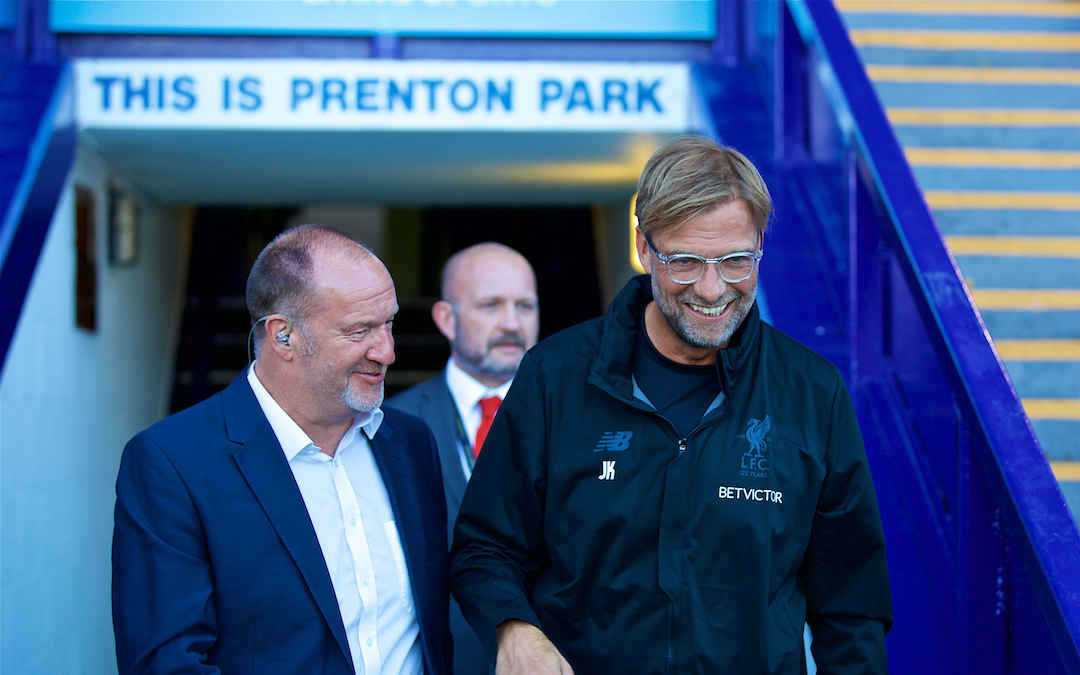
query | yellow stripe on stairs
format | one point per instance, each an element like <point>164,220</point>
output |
<point>981,199</point>
<point>994,157</point>
<point>971,75</point>
<point>1038,350</point>
<point>979,117</point>
<point>1027,299</point>
<point>1003,8</point>
<point>1066,471</point>
<point>1052,408</point>
<point>1028,247</point>
<point>1013,41</point>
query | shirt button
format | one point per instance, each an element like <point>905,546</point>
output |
<point>364,581</point>
<point>369,642</point>
<point>352,521</point>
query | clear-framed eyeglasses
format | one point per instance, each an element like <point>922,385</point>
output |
<point>687,268</point>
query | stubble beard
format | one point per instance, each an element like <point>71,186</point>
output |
<point>483,363</point>
<point>362,403</point>
<point>684,326</point>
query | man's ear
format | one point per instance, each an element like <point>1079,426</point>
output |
<point>442,313</point>
<point>644,254</point>
<point>274,326</point>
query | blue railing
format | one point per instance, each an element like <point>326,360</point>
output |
<point>37,144</point>
<point>984,554</point>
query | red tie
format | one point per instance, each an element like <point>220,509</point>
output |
<point>488,407</point>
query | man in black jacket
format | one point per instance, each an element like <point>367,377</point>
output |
<point>676,487</point>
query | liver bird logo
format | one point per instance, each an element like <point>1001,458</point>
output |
<point>756,433</point>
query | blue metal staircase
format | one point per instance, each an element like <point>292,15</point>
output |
<point>984,99</point>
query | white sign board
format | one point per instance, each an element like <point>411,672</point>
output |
<point>336,94</point>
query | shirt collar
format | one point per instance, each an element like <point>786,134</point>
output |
<point>467,390</point>
<point>289,434</point>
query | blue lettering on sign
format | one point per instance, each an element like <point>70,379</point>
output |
<point>550,90</point>
<point>615,91</point>
<point>333,89</point>
<point>612,95</point>
<point>364,93</point>
<point>394,90</point>
<point>432,85</point>
<point>250,98</point>
<point>506,96</point>
<point>302,89</point>
<point>133,92</point>
<point>647,94</point>
<point>184,88</point>
<point>147,93</point>
<point>106,86</point>
<point>377,95</point>
<point>472,95</point>
<point>579,97</point>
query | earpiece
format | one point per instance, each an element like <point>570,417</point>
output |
<point>282,337</point>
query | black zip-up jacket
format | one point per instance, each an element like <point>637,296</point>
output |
<point>639,551</point>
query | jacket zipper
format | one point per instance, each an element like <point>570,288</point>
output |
<point>682,450</point>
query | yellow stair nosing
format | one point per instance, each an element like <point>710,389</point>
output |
<point>1029,41</point>
<point>984,199</point>
<point>993,157</point>
<point>1066,471</point>
<point>974,75</point>
<point>1048,247</point>
<point>998,8</point>
<point>997,117</point>
<point>1052,408</point>
<point>1035,300</point>
<point>1038,350</point>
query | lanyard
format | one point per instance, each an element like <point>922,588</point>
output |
<point>464,444</point>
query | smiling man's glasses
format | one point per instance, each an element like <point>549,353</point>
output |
<point>687,268</point>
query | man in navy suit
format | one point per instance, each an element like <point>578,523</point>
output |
<point>289,524</point>
<point>489,314</point>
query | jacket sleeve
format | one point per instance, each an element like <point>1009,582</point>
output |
<point>849,605</point>
<point>498,545</point>
<point>163,606</point>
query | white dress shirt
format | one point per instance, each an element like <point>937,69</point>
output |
<point>354,522</point>
<point>467,392</point>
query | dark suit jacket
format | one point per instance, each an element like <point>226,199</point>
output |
<point>431,401</point>
<point>216,565</point>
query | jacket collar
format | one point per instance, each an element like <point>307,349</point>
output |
<point>611,369</point>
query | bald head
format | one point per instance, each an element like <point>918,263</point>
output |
<point>488,310</point>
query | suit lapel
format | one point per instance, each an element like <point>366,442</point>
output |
<point>443,426</point>
<point>267,472</point>
<point>393,461</point>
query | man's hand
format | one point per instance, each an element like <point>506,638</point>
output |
<point>525,650</point>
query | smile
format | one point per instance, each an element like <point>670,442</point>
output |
<point>709,311</point>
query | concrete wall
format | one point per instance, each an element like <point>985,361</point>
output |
<point>69,400</point>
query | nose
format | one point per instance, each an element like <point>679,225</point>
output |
<point>711,286</point>
<point>382,351</point>
<point>510,318</point>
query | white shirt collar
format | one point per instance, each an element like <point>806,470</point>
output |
<point>289,434</point>
<point>467,391</point>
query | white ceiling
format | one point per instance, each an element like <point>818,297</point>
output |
<point>284,168</point>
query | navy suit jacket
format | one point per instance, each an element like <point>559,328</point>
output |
<point>216,565</point>
<point>431,400</point>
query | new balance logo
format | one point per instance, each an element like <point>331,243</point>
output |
<point>607,471</point>
<point>614,441</point>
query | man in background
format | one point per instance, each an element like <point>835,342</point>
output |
<point>288,524</point>
<point>489,314</point>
